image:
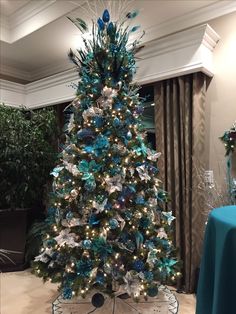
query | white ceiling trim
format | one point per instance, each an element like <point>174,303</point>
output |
<point>198,35</point>
<point>15,72</point>
<point>51,69</point>
<point>28,11</point>
<point>196,17</point>
<point>65,78</point>
<point>33,16</point>
<point>185,52</point>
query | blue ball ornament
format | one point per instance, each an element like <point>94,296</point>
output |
<point>152,290</point>
<point>67,293</point>
<point>129,135</point>
<point>98,121</point>
<point>93,220</point>
<point>138,265</point>
<point>144,222</point>
<point>148,275</point>
<point>86,244</point>
<point>116,122</point>
<point>100,278</point>
<point>106,16</point>
<point>113,223</point>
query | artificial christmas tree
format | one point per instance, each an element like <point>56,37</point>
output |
<point>107,228</point>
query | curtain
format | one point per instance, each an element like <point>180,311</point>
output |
<point>180,131</point>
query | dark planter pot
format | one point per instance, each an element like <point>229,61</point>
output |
<point>13,228</point>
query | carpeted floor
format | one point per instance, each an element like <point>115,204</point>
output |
<point>23,293</point>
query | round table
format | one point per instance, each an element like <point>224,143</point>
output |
<point>216,292</point>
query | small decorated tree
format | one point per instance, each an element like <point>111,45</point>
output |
<point>107,228</point>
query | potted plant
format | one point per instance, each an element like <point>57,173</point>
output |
<point>27,154</point>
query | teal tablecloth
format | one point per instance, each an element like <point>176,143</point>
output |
<point>216,292</point>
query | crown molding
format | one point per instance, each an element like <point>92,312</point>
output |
<point>198,35</point>
<point>28,11</point>
<point>178,54</point>
<point>34,15</point>
<point>12,86</point>
<point>51,69</point>
<point>15,72</point>
<point>35,9</point>
<point>65,77</point>
<point>200,16</point>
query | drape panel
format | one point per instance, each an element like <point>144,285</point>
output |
<point>180,131</point>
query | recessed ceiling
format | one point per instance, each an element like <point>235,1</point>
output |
<point>8,7</point>
<point>42,50</point>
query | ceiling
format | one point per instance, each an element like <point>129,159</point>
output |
<point>36,34</point>
<point>8,7</point>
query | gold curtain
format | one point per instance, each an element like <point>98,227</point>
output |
<point>180,132</point>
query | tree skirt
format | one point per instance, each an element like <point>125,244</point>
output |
<point>164,303</point>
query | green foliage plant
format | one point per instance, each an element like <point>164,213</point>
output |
<point>27,153</point>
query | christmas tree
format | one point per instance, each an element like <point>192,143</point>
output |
<point>107,225</point>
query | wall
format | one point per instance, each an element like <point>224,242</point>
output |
<point>221,94</point>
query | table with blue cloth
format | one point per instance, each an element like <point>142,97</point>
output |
<point>216,292</point>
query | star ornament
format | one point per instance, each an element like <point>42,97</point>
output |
<point>114,184</point>
<point>168,216</point>
<point>132,284</point>
<point>109,92</point>
<point>71,168</point>
<point>92,112</point>
<point>56,171</point>
<point>99,206</point>
<point>65,237</point>
<point>44,257</point>
<point>162,234</point>
<point>143,173</point>
<point>152,155</point>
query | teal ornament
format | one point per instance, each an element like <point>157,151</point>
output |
<point>168,264</point>
<point>100,278</point>
<point>69,215</point>
<point>148,275</point>
<point>139,239</point>
<point>152,291</point>
<point>116,122</point>
<point>94,220</point>
<point>98,121</point>
<point>144,222</point>
<point>85,167</point>
<point>113,223</point>
<point>67,293</point>
<point>130,245</point>
<point>90,185</point>
<point>118,105</point>
<point>56,171</point>
<point>84,267</point>
<point>128,215</point>
<point>168,216</point>
<point>106,16</point>
<point>101,24</point>
<point>101,247</point>
<point>129,135</point>
<point>86,244</point>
